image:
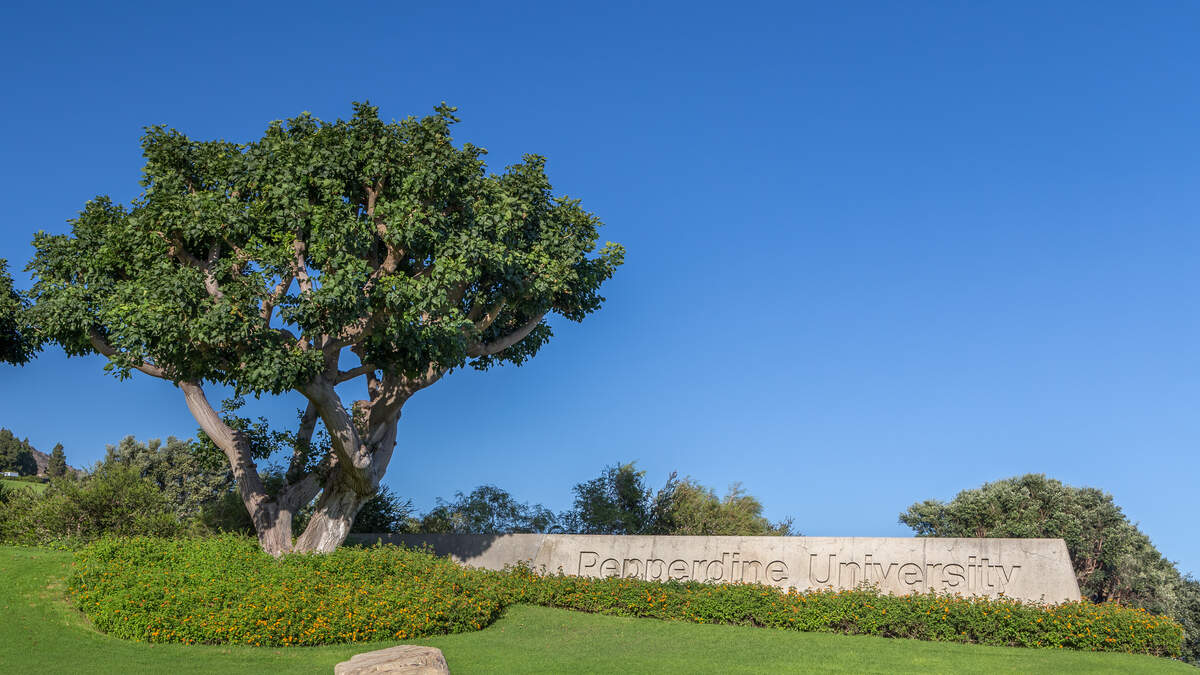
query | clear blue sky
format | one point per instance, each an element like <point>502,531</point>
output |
<point>878,252</point>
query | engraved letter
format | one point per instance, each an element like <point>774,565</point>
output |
<point>812,569</point>
<point>1008,574</point>
<point>953,570</point>
<point>610,570</point>
<point>879,571</point>
<point>678,570</point>
<point>842,571</point>
<point>754,566</point>
<point>591,563</point>
<point>635,564</point>
<point>929,574</point>
<point>655,569</point>
<point>709,575</point>
<point>777,571</point>
<point>910,574</point>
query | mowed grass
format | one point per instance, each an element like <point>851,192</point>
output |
<point>9,483</point>
<point>42,633</point>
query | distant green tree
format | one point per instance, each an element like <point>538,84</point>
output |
<point>17,343</point>
<point>693,509</point>
<point>16,454</point>
<point>618,501</point>
<point>57,466</point>
<point>1113,559</point>
<point>487,510</point>
<point>385,513</point>
<point>189,475</point>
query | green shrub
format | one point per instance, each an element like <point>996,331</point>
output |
<point>863,611</point>
<point>116,501</point>
<point>224,590</point>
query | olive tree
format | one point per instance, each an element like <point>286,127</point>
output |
<point>363,252</point>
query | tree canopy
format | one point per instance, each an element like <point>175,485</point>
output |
<point>694,509</point>
<point>56,466</point>
<point>17,344</point>
<point>618,501</point>
<point>264,265</point>
<point>487,510</point>
<point>188,476</point>
<point>1113,559</point>
<point>16,454</point>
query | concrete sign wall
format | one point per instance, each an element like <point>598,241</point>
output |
<point>1036,570</point>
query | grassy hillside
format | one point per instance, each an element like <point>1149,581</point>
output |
<point>43,634</point>
<point>9,483</point>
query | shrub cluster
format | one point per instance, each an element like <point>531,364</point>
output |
<point>69,513</point>
<point>863,611</point>
<point>224,590</point>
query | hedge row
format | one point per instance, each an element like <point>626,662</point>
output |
<point>864,611</point>
<point>223,590</point>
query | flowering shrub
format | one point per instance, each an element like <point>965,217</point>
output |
<point>863,611</point>
<point>225,590</point>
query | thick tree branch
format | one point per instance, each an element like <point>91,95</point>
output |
<point>384,446</point>
<point>101,345</point>
<point>272,299</point>
<point>500,344</point>
<point>300,265</point>
<point>389,396</point>
<point>303,448</point>
<point>180,253</point>
<point>352,454</point>
<point>346,375</point>
<point>237,452</point>
<point>483,319</point>
<point>296,496</point>
<point>394,254</point>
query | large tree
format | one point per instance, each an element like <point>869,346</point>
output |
<point>321,254</point>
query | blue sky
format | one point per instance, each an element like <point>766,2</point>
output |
<point>877,253</point>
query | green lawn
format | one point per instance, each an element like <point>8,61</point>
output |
<point>9,483</point>
<point>41,633</point>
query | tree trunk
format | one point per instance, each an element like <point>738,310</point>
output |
<point>331,521</point>
<point>274,529</point>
